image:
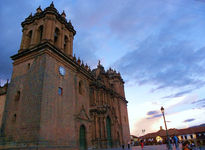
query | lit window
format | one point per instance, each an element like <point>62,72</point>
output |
<point>60,91</point>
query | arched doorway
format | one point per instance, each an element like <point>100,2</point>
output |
<point>109,135</point>
<point>82,138</point>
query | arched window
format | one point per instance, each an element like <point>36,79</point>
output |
<point>82,138</point>
<point>81,87</point>
<point>65,42</point>
<point>17,97</point>
<point>40,33</point>
<point>56,36</point>
<point>109,135</point>
<point>14,118</point>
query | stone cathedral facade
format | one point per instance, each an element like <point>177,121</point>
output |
<point>54,100</point>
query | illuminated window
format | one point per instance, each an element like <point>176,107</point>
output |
<point>60,91</point>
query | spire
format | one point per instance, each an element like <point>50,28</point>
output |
<point>39,10</point>
<point>52,5</point>
<point>78,61</point>
<point>63,14</point>
<point>30,16</point>
<point>51,8</point>
<point>99,63</point>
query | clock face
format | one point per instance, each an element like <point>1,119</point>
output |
<point>61,70</point>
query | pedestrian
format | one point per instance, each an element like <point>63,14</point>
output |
<point>185,145</point>
<point>199,144</point>
<point>142,144</point>
<point>123,146</point>
<point>176,141</point>
<point>128,145</point>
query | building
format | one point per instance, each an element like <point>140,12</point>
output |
<point>192,134</point>
<point>54,100</point>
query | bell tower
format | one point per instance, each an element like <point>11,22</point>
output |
<point>48,26</point>
<point>33,110</point>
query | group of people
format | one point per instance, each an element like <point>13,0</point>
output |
<point>186,145</point>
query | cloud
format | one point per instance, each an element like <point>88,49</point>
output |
<point>199,101</point>
<point>166,51</point>
<point>189,120</point>
<point>155,116</point>
<point>176,65</point>
<point>152,112</point>
<point>179,94</point>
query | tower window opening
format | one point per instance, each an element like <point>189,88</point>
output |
<point>65,42</point>
<point>56,34</point>
<point>40,30</point>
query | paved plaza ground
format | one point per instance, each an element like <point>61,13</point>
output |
<point>160,147</point>
<point>154,147</point>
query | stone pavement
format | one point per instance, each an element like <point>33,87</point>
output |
<point>160,147</point>
<point>155,147</point>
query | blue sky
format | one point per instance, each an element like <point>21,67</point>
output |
<point>158,46</point>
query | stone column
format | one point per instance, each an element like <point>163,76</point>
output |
<point>71,45</point>
<point>60,39</point>
<point>103,127</point>
<point>97,128</point>
<point>35,34</point>
<point>49,29</point>
<point>23,40</point>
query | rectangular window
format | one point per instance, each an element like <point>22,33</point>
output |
<point>60,91</point>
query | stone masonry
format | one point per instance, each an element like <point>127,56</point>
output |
<point>54,100</point>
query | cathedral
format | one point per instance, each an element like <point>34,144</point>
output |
<point>55,101</point>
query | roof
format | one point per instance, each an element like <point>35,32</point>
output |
<point>174,131</point>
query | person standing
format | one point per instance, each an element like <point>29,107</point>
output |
<point>142,144</point>
<point>185,145</point>
<point>176,141</point>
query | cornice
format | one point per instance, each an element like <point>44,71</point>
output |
<point>46,45</point>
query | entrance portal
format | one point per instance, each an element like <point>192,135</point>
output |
<point>108,126</point>
<point>82,138</point>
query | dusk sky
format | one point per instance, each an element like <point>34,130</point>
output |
<point>158,46</point>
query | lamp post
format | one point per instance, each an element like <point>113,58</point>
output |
<point>168,139</point>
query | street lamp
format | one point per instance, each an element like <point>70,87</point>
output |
<point>168,139</point>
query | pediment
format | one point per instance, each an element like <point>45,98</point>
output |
<point>82,115</point>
